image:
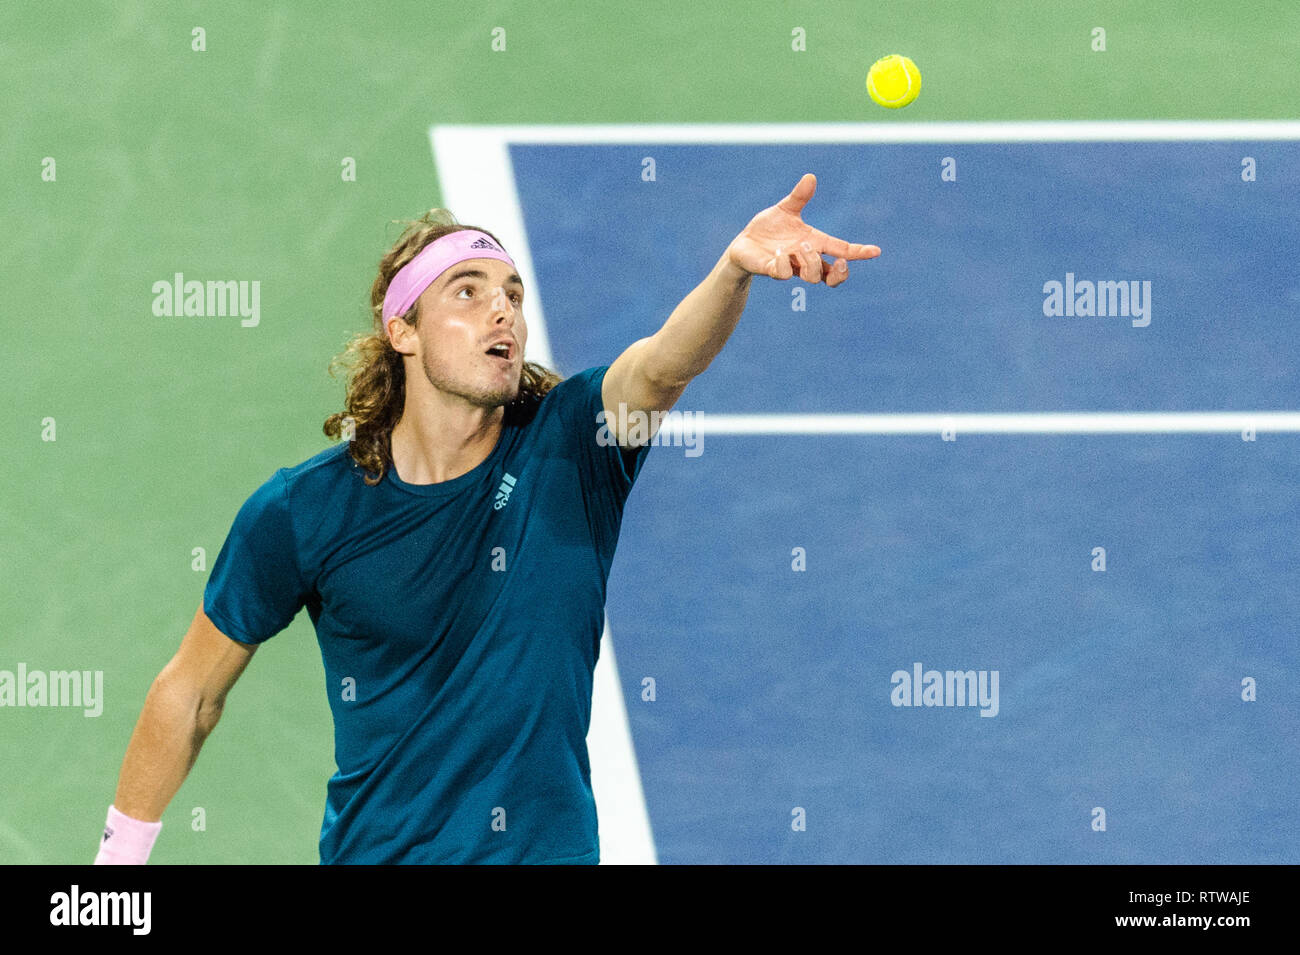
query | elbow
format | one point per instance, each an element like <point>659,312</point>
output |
<point>185,702</point>
<point>663,374</point>
<point>209,713</point>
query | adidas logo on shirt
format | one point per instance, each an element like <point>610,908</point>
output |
<point>503,492</point>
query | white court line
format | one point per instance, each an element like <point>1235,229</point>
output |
<point>478,185</point>
<point>456,138</point>
<point>1134,422</point>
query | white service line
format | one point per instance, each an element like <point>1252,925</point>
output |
<point>478,186</point>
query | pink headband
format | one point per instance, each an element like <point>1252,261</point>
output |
<point>434,259</point>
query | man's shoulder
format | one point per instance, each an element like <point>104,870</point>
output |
<point>318,473</point>
<point>300,496</point>
<point>326,463</point>
<point>576,394</point>
<point>585,379</point>
<point>328,460</point>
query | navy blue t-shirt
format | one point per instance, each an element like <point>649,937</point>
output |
<point>459,624</point>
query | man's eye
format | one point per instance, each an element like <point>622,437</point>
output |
<point>465,289</point>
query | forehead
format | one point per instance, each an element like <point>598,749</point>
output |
<point>482,270</point>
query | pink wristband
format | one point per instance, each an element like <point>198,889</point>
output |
<point>126,841</point>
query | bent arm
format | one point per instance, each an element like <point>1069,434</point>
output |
<point>653,372</point>
<point>181,709</point>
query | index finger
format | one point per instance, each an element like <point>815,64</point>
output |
<point>846,250</point>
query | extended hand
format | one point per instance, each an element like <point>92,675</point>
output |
<point>779,244</point>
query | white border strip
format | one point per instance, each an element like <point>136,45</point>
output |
<point>1191,422</point>
<point>625,835</point>
<point>458,138</point>
<point>478,186</point>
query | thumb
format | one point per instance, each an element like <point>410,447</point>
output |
<point>799,195</point>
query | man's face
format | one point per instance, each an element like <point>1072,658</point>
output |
<point>472,333</point>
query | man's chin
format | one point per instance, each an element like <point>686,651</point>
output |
<point>488,392</point>
<point>500,397</point>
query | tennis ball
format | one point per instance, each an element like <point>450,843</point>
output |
<point>893,81</point>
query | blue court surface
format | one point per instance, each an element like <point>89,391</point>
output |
<point>1119,690</point>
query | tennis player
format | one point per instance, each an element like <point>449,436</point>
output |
<point>452,555</point>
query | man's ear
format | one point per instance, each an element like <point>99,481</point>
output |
<point>401,336</point>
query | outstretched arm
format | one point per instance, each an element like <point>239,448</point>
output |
<point>653,372</point>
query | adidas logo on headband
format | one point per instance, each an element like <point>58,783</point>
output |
<point>434,259</point>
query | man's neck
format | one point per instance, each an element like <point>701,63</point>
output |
<point>438,441</point>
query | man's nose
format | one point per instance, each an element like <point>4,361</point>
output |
<point>502,306</point>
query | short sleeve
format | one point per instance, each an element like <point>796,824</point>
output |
<point>256,589</point>
<point>608,470</point>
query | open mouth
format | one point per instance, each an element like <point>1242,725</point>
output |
<point>502,351</point>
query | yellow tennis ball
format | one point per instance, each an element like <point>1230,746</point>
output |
<point>893,81</point>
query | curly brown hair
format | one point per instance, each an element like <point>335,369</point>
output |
<point>376,389</point>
